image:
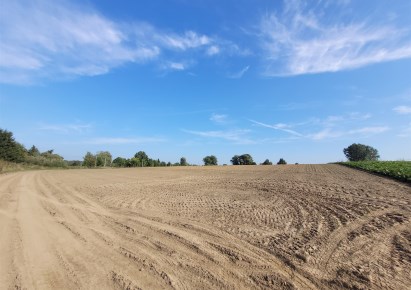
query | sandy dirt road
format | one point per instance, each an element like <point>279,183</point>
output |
<point>250,227</point>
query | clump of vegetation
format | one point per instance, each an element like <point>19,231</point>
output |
<point>267,162</point>
<point>101,159</point>
<point>281,162</point>
<point>361,152</point>
<point>400,170</point>
<point>210,160</point>
<point>48,158</point>
<point>183,161</point>
<point>6,166</point>
<point>365,157</point>
<point>10,149</point>
<point>14,156</point>
<point>140,159</point>
<point>244,159</point>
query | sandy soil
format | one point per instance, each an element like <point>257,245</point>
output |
<point>257,227</point>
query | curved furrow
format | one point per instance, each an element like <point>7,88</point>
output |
<point>257,227</point>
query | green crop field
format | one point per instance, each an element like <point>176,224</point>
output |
<point>400,170</point>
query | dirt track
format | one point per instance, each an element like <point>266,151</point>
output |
<point>269,227</point>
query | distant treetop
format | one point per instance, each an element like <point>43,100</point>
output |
<point>267,162</point>
<point>244,159</point>
<point>210,160</point>
<point>281,162</point>
<point>361,152</point>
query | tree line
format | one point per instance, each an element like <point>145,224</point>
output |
<point>140,159</point>
<point>13,151</point>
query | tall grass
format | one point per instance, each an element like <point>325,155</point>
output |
<point>32,163</point>
<point>6,166</point>
<point>46,162</point>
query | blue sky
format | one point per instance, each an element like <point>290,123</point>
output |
<point>299,80</point>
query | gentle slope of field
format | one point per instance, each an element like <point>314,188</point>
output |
<point>249,227</point>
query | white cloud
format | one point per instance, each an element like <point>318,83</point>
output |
<point>403,110</point>
<point>213,50</point>
<point>183,42</point>
<point>178,66</point>
<point>299,41</point>
<point>218,118</point>
<point>239,74</point>
<point>45,39</point>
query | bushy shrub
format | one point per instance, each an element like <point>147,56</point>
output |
<point>281,162</point>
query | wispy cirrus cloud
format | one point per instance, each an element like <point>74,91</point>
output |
<point>45,39</point>
<point>238,136</point>
<point>329,127</point>
<point>219,118</point>
<point>121,140</point>
<point>369,130</point>
<point>280,127</point>
<point>239,74</point>
<point>175,66</point>
<point>304,40</point>
<point>66,128</point>
<point>329,133</point>
<point>326,133</point>
<point>188,40</point>
<point>402,110</point>
<point>352,117</point>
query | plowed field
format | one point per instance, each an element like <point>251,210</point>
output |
<point>244,227</point>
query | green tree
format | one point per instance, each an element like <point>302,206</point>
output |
<point>151,162</point>
<point>361,152</point>
<point>10,149</point>
<point>74,163</point>
<point>142,157</point>
<point>267,162</point>
<point>104,158</point>
<point>49,154</point>
<point>33,151</point>
<point>183,161</point>
<point>119,162</point>
<point>134,162</point>
<point>210,160</point>
<point>235,160</point>
<point>89,160</point>
<point>281,162</point>
<point>245,159</point>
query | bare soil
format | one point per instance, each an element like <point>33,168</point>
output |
<point>244,227</point>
